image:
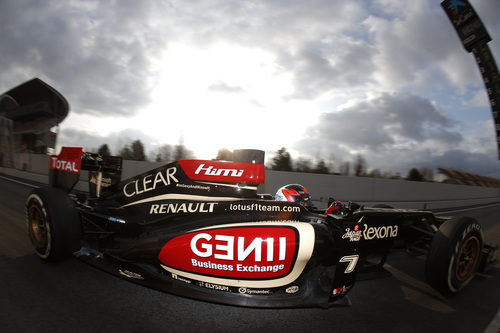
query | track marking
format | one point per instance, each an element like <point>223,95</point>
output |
<point>494,325</point>
<point>467,209</point>
<point>19,182</point>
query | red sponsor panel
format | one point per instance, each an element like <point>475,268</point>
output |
<point>228,172</point>
<point>249,253</point>
<point>69,160</point>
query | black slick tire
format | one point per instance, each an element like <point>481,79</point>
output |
<point>454,255</point>
<point>53,223</point>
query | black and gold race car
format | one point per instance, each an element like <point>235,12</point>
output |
<point>200,229</point>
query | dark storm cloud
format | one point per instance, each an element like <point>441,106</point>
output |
<point>336,65</point>
<point>96,53</point>
<point>417,45</point>
<point>390,119</point>
<point>409,39</point>
<point>395,132</point>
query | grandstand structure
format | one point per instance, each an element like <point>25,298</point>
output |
<point>29,116</point>
<point>464,178</point>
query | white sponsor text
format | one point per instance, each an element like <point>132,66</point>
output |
<point>211,171</point>
<point>202,246</point>
<point>150,182</point>
<point>176,208</point>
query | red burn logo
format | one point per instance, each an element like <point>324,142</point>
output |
<point>255,252</point>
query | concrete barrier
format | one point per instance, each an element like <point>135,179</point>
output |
<point>367,191</point>
<point>371,191</point>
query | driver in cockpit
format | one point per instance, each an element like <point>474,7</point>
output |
<point>298,193</point>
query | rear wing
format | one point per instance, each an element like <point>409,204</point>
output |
<point>237,178</point>
<point>65,170</point>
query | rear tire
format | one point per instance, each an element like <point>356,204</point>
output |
<point>454,255</point>
<point>53,223</point>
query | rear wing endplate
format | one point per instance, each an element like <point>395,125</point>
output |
<point>65,170</point>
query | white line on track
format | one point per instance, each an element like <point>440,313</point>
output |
<point>467,209</point>
<point>494,326</point>
<point>19,182</point>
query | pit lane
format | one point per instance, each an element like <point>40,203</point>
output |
<point>72,296</point>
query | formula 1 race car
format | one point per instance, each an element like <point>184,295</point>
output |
<point>200,229</point>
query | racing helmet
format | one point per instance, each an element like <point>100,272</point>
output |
<point>294,193</point>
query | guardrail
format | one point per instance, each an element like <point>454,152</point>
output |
<point>367,191</point>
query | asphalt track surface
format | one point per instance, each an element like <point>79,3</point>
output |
<point>72,296</point>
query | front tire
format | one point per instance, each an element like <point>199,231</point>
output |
<point>454,255</point>
<point>53,223</point>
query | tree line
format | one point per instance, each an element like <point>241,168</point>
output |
<point>135,151</point>
<point>281,161</point>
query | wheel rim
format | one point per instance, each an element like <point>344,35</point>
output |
<point>467,259</point>
<point>37,225</point>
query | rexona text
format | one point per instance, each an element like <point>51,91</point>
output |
<point>211,171</point>
<point>63,165</point>
<point>150,182</point>
<point>387,231</point>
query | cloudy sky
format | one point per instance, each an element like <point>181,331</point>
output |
<point>387,79</point>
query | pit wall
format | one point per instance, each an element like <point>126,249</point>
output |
<point>367,191</point>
